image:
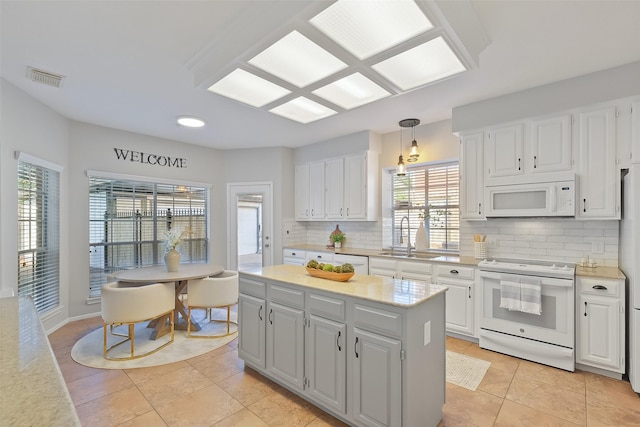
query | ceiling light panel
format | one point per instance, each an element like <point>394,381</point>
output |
<point>424,64</point>
<point>248,88</point>
<point>367,27</point>
<point>303,110</point>
<point>352,91</point>
<point>297,60</point>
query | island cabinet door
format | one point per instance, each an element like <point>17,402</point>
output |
<point>325,369</point>
<point>377,368</point>
<point>285,344</point>
<point>252,313</point>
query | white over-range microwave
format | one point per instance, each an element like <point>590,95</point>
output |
<point>531,199</point>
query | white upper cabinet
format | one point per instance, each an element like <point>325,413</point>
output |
<point>317,190</point>
<point>599,195</point>
<point>550,148</point>
<point>535,146</point>
<point>471,176</point>
<point>504,150</point>
<point>302,188</point>
<point>342,188</point>
<point>334,183</point>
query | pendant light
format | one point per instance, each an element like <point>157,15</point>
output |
<point>413,152</point>
<point>402,169</point>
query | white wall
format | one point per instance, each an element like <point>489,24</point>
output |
<point>29,126</point>
<point>92,148</point>
<point>593,88</point>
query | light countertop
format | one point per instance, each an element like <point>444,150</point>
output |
<point>450,259</point>
<point>399,293</point>
<point>32,390</point>
<point>602,272</point>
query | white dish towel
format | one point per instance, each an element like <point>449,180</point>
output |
<point>530,295</point>
<point>510,292</point>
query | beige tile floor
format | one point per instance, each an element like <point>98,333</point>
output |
<point>215,390</point>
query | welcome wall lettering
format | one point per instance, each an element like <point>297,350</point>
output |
<point>151,159</point>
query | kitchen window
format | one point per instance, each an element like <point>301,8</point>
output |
<point>39,231</point>
<point>127,220</point>
<point>429,193</point>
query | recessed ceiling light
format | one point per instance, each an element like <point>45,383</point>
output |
<point>248,88</point>
<point>190,122</point>
<point>352,91</point>
<point>297,60</point>
<point>421,65</point>
<point>303,110</point>
<point>367,29</point>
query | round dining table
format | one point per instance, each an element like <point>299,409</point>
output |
<point>157,273</point>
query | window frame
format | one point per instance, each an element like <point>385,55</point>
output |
<point>39,279</point>
<point>147,246</point>
<point>420,211</point>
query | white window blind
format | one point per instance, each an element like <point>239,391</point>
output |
<point>127,220</point>
<point>429,193</point>
<point>39,234</point>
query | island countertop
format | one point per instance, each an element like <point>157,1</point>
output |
<point>31,385</point>
<point>396,292</point>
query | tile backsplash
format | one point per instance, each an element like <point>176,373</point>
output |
<point>359,234</point>
<point>556,239</point>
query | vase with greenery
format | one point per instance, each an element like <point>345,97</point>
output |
<point>337,237</point>
<point>172,239</point>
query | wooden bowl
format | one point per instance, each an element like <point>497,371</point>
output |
<point>330,275</point>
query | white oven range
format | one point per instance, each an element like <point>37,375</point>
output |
<point>548,337</point>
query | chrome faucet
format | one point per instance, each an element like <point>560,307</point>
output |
<point>408,234</point>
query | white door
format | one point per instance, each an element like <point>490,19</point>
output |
<point>250,225</point>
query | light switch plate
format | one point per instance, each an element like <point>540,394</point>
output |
<point>427,332</point>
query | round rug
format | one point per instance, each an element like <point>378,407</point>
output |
<point>88,350</point>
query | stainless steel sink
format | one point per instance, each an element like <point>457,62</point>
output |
<point>400,254</point>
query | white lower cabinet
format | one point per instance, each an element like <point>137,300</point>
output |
<point>376,379</point>
<point>294,256</point>
<point>327,362</point>
<point>367,363</point>
<point>252,310</point>
<point>400,269</point>
<point>460,297</point>
<point>360,263</point>
<point>285,344</point>
<point>600,321</point>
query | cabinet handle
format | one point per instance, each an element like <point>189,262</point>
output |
<point>599,287</point>
<point>535,162</point>
<point>319,257</point>
<point>311,212</point>
<point>469,291</point>
<point>306,212</point>
<point>479,208</point>
<point>340,211</point>
<point>584,205</point>
<point>347,211</point>
<point>453,271</point>
<point>293,253</point>
<point>585,308</point>
<point>519,163</point>
<point>270,316</point>
<point>355,348</point>
<point>338,341</point>
<point>260,313</point>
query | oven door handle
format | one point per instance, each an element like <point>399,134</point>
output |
<point>544,281</point>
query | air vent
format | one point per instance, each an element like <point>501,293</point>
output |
<point>44,77</point>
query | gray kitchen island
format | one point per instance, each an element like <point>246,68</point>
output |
<point>370,351</point>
